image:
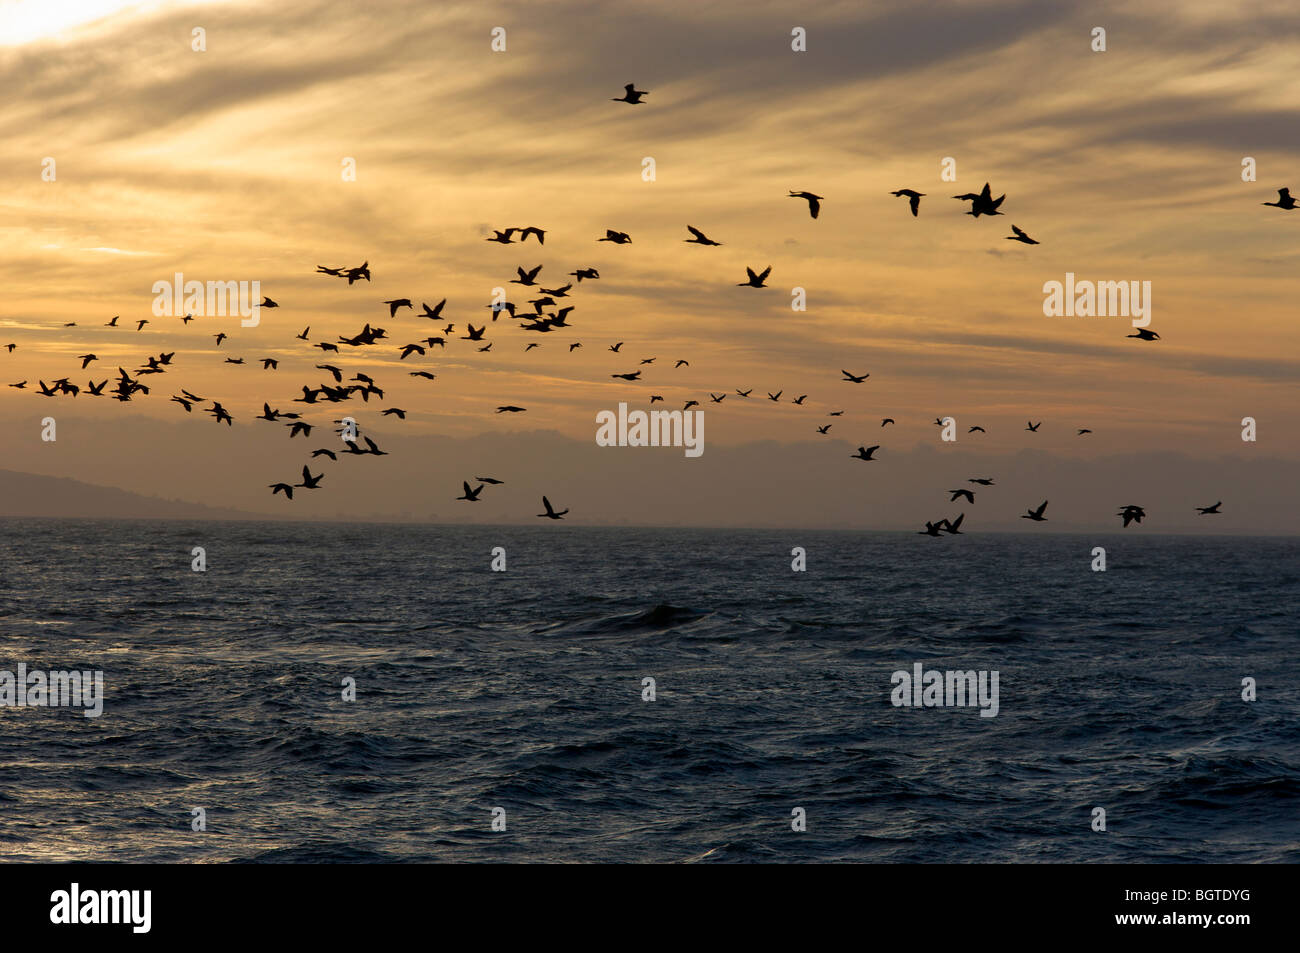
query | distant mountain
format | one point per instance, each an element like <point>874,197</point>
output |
<point>30,494</point>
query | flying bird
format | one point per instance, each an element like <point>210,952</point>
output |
<point>864,453</point>
<point>1145,334</point>
<point>550,513</point>
<point>1210,510</point>
<point>1036,515</point>
<point>700,238</point>
<point>471,495</point>
<point>755,281</point>
<point>913,199</point>
<point>814,201</point>
<point>849,378</point>
<point>1284,200</point>
<point>1020,236</point>
<point>631,95</point>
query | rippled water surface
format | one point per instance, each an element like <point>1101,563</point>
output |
<point>523,690</point>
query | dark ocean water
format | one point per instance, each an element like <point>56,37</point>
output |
<point>523,690</point>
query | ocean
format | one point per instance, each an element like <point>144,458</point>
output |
<point>518,698</point>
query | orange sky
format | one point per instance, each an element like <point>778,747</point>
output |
<point>225,165</point>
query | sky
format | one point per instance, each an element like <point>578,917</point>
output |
<point>226,164</point>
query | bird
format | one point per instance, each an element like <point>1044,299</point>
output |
<point>323,452</point>
<point>221,336</point>
<point>1210,510</point>
<point>538,233</point>
<point>982,481</point>
<point>1284,200</point>
<point>299,427</point>
<point>618,238</point>
<point>825,429</point>
<point>631,95</point>
<point>582,273</point>
<point>1131,513</point>
<point>219,413</point>
<point>969,494</point>
<point>745,393</point>
<point>755,281</point>
<point>775,398</point>
<point>839,413</point>
<point>490,480</point>
<point>435,313</point>
<point>615,347</point>
<point>1145,334</point>
<point>424,374</point>
<point>528,278</point>
<point>410,349</point>
<point>574,345</point>
<point>531,346</point>
<point>1020,236</point>
<point>20,385</point>
<point>852,379</point>
<point>309,482</point>
<point>401,414</point>
<point>800,399</point>
<point>983,203</point>
<point>913,199</point>
<point>864,453</point>
<point>270,364</point>
<point>510,409</point>
<point>113,323</point>
<point>700,238</point>
<point>1036,515</point>
<point>472,334</point>
<point>86,359</point>
<point>950,526</point>
<point>681,364</point>
<point>139,325</point>
<point>10,347</point>
<point>633,376</point>
<point>550,513</point>
<point>284,488</point>
<point>398,303</point>
<point>814,201</point>
<point>931,529</point>
<point>1082,431</point>
<point>268,303</point>
<point>374,448</point>
<point>978,429</point>
<point>502,237</point>
<point>1031,426</point>
<point>303,336</point>
<point>471,495</point>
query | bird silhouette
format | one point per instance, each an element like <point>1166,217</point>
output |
<point>1033,427</point>
<point>618,238</point>
<point>852,379</point>
<point>1145,334</point>
<point>1020,236</point>
<point>631,95</point>
<point>700,238</point>
<point>969,494</point>
<point>864,453</point>
<point>550,513</point>
<point>755,281</point>
<point>814,202</point>
<point>913,199</point>
<point>309,482</point>
<point>471,495</point>
<point>1210,510</point>
<point>1036,515</point>
<point>1284,200</point>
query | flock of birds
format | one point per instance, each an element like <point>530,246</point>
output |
<point>546,316</point>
